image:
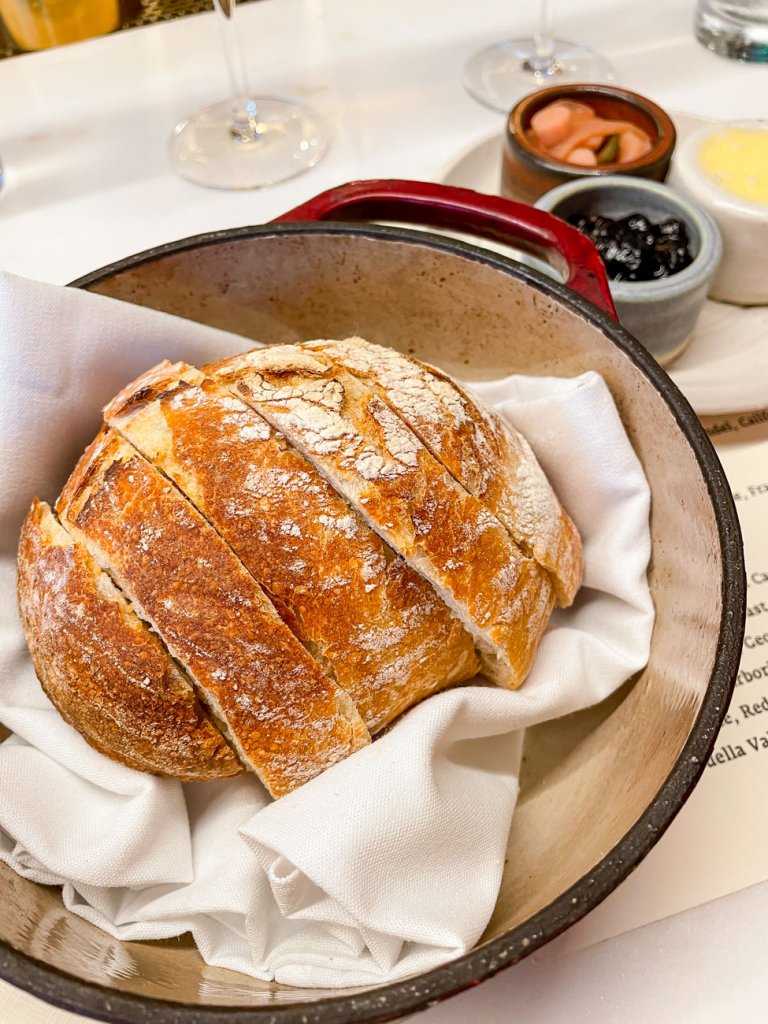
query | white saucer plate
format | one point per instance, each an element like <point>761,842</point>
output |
<point>725,368</point>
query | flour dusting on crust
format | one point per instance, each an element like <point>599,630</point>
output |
<point>484,454</point>
<point>378,463</point>
<point>329,574</point>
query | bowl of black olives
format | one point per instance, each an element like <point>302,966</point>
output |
<point>660,250</point>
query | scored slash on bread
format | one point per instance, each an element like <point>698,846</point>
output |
<point>344,594</point>
<point>106,673</point>
<point>285,718</point>
<point>486,456</point>
<point>368,453</point>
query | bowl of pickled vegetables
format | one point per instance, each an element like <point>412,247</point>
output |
<point>566,132</point>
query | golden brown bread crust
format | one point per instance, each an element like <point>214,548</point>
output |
<point>105,672</point>
<point>490,459</point>
<point>363,612</point>
<point>373,458</point>
<point>284,717</point>
<point>321,536</point>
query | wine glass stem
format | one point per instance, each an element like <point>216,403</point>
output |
<point>245,126</point>
<point>542,61</point>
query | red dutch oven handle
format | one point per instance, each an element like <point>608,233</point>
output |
<point>461,209</point>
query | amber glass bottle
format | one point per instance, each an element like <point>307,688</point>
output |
<point>39,24</point>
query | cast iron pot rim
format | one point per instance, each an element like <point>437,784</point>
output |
<point>397,999</point>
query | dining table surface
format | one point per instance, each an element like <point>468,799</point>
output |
<point>84,133</point>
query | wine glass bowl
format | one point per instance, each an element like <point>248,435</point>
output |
<point>220,148</point>
<point>498,75</point>
<point>527,172</point>
<point>249,141</point>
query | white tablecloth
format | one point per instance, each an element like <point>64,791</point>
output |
<point>83,143</point>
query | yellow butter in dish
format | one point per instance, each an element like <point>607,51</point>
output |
<point>736,159</point>
<point>724,168</point>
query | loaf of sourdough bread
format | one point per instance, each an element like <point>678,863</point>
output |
<point>261,564</point>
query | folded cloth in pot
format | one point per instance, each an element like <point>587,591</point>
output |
<point>387,864</point>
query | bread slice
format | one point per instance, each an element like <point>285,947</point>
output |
<point>371,457</point>
<point>284,717</point>
<point>376,625</point>
<point>106,673</point>
<point>483,453</point>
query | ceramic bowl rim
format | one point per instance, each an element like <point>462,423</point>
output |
<point>661,151</point>
<point>727,204</point>
<point>701,269</point>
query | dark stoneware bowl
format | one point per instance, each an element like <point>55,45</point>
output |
<point>661,314</point>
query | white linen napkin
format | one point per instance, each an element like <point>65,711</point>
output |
<point>388,863</point>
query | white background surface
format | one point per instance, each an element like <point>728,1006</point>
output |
<point>83,133</point>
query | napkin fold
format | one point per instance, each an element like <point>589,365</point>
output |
<point>390,862</point>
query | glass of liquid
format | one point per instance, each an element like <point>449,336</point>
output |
<point>40,24</point>
<point>503,72</point>
<point>249,140</point>
<point>734,28</point>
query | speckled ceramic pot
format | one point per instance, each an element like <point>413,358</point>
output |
<point>661,314</point>
<point>599,787</point>
<point>527,171</point>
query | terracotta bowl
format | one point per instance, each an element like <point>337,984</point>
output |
<point>527,172</point>
<point>599,787</point>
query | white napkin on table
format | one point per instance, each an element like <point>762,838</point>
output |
<point>388,863</point>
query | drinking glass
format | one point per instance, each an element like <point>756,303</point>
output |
<point>503,72</point>
<point>247,141</point>
<point>40,24</point>
<point>734,28</point>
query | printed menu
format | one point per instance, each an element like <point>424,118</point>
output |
<point>718,843</point>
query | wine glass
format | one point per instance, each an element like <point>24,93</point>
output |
<point>248,141</point>
<point>503,72</point>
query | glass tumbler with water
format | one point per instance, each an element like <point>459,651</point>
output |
<point>734,28</point>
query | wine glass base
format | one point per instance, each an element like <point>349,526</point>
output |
<point>290,139</point>
<point>503,72</point>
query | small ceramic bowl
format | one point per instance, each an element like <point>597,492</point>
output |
<point>527,172</point>
<point>742,218</point>
<point>661,314</point>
